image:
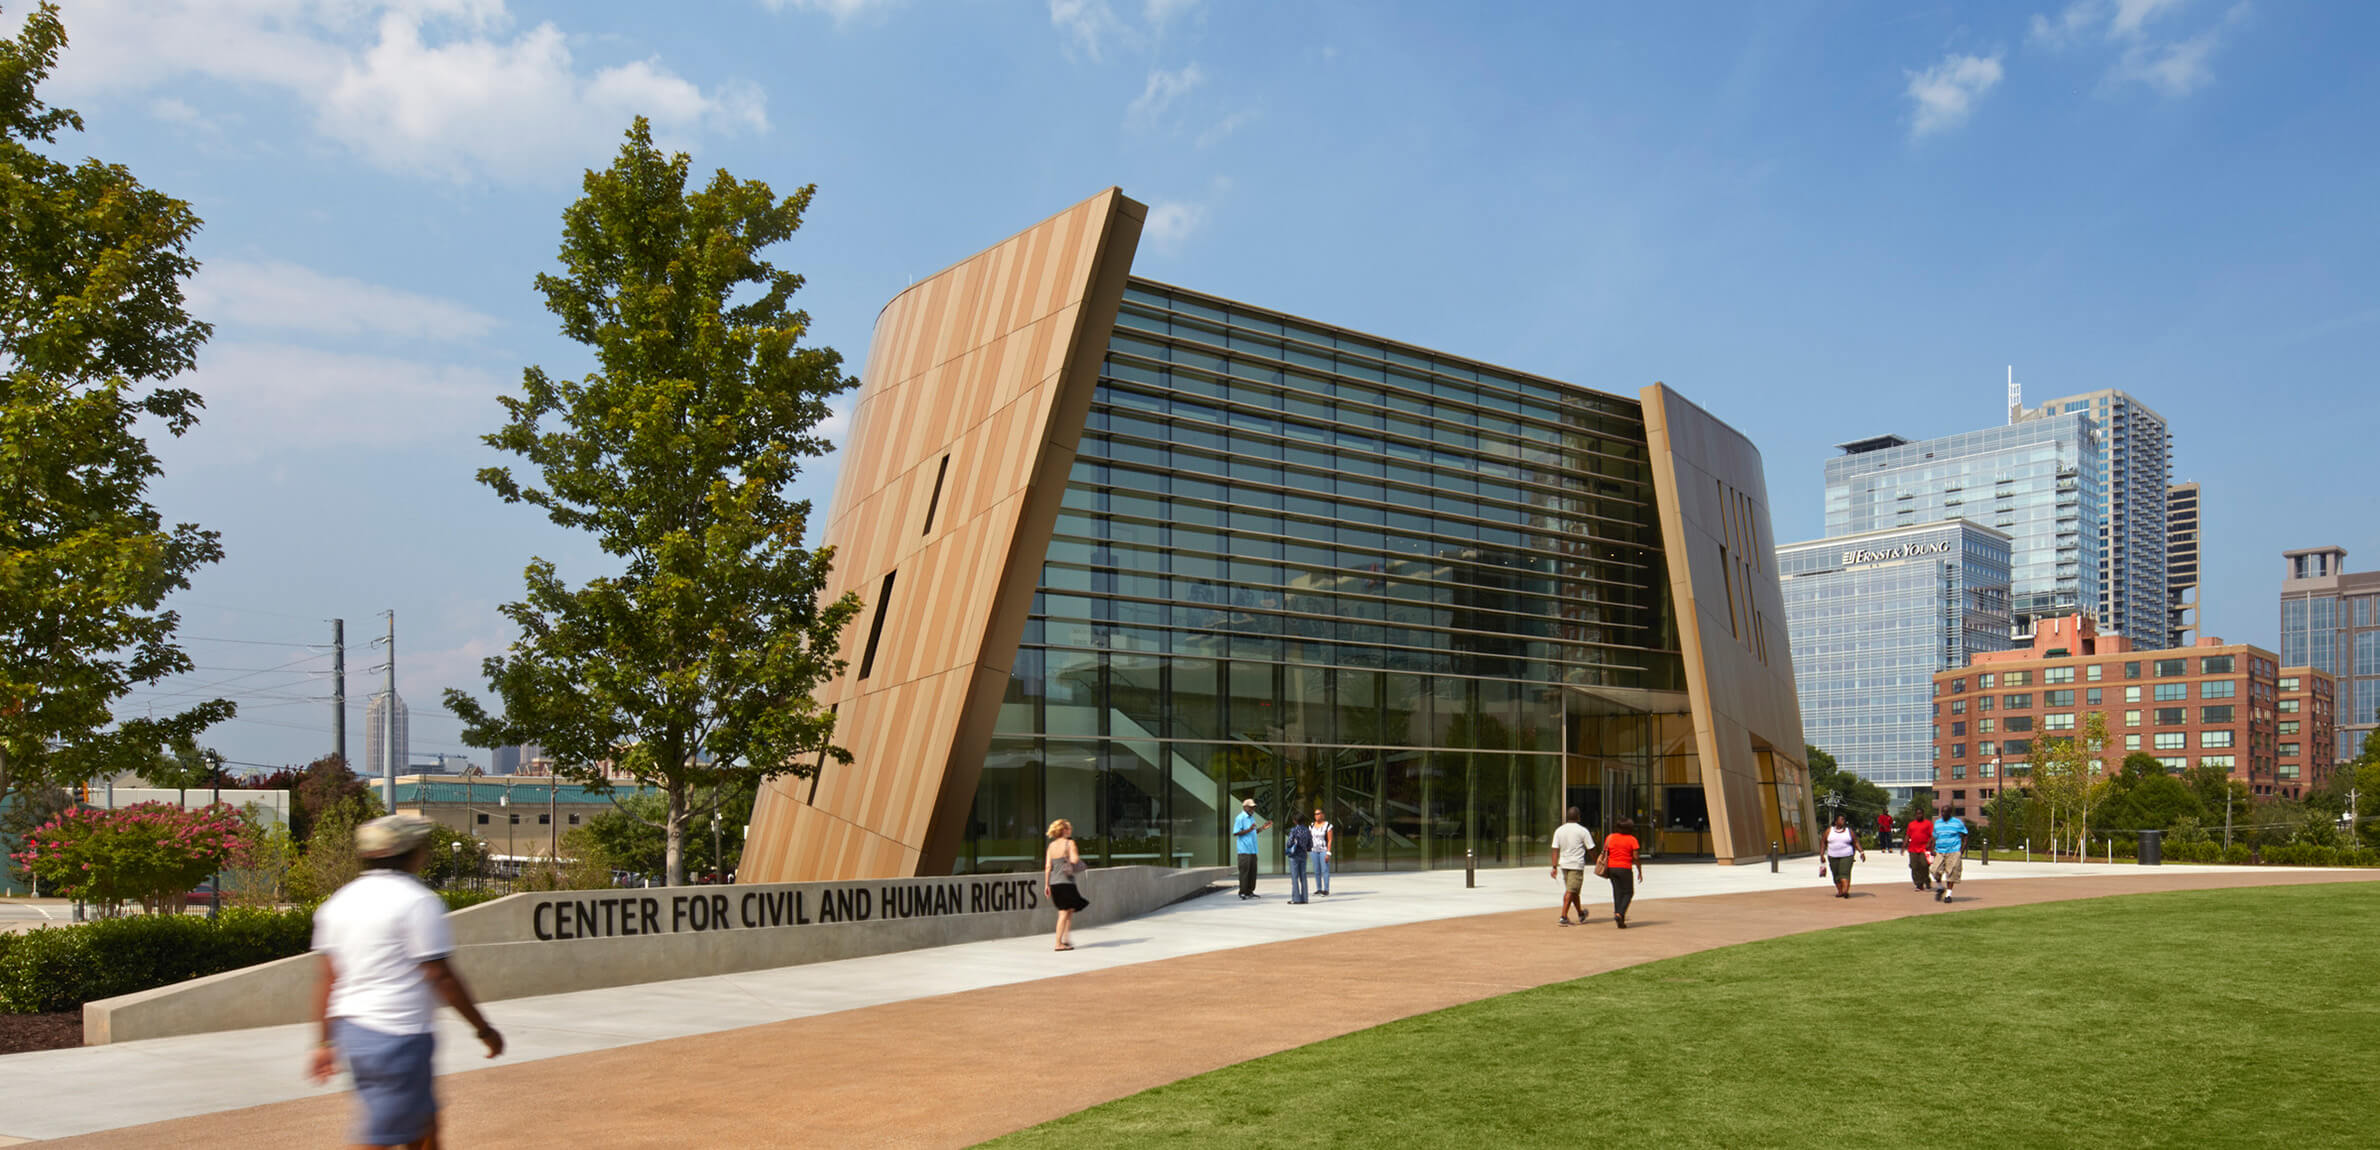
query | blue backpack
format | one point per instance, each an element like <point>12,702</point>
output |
<point>1300,840</point>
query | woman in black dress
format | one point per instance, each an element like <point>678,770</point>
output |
<point>1061,865</point>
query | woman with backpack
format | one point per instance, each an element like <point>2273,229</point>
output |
<point>1061,866</point>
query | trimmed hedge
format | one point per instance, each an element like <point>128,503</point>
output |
<point>63,967</point>
<point>2285,854</point>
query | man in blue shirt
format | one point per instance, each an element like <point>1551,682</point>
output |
<point>1950,840</point>
<point>1244,830</point>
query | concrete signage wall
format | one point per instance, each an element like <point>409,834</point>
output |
<point>553,942</point>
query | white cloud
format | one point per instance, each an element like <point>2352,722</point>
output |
<point>274,399</point>
<point>842,10</point>
<point>1159,13</point>
<point>1088,25</point>
<point>284,296</point>
<point>442,87</point>
<point>1223,128</point>
<point>2173,67</point>
<point>1163,89</point>
<point>1945,94</point>
<point>1170,225</point>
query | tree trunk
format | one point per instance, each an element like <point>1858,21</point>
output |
<point>673,858</point>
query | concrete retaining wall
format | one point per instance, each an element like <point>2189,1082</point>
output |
<point>558,941</point>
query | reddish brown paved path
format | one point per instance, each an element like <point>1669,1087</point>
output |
<point>960,1068</point>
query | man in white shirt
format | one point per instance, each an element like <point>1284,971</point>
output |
<point>384,944</point>
<point>1571,844</point>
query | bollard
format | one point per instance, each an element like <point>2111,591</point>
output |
<point>1987,850</point>
<point>1470,869</point>
<point>2028,850</point>
<point>1772,856</point>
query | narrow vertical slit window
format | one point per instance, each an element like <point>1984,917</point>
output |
<point>867,661</point>
<point>934,504</point>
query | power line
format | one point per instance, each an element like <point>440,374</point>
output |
<point>245,642</point>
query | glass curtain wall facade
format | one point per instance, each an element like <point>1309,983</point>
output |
<point>2035,481</point>
<point>1317,569</point>
<point>2133,467</point>
<point>2330,621</point>
<point>1873,617</point>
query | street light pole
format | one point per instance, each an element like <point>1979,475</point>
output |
<point>715,871</point>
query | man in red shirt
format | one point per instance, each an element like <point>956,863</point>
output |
<point>1884,831</point>
<point>1920,836</point>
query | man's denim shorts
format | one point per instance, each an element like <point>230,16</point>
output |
<point>392,1081</point>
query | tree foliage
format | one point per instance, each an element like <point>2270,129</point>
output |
<point>91,320</point>
<point>2068,778</point>
<point>694,665</point>
<point>1833,789</point>
<point>150,852</point>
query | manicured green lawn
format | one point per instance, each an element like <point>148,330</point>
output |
<point>2208,1018</point>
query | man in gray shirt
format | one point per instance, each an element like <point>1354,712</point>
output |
<point>1571,844</point>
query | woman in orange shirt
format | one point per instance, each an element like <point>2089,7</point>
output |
<point>1622,854</point>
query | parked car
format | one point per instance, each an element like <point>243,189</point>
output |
<point>205,894</point>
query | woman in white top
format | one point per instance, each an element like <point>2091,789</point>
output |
<point>1321,832</point>
<point>1841,843</point>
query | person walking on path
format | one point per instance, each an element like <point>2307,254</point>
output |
<point>1062,868</point>
<point>1244,830</point>
<point>1920,841</point>
<point>1950,842</point>
<point>1571,844</point>
<point>384,944</point>
<point>1298,844</point>
<point>1621,854</point>
<point>1841,843</point>
<point>1321,830</point>
<point>1884,831</point>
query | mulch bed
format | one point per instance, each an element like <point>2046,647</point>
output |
<point>22,1032</point>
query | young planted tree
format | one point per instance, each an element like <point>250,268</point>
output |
<point>693,667</point>
<point>2070,777</point>
<point>91,320</point>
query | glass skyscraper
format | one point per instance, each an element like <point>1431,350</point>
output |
<point>2330,621</point>
<point>2036,481</point>
<point>1874,615</point>
<point>2132,469</point>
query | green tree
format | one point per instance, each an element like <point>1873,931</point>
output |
<point>2226,800</point>
<point>694,666</point>
<point>148,851</point>
<point>2143,795</point>
<point>2069,778</point>
<point>1834,789</point>
<point>91,319</point>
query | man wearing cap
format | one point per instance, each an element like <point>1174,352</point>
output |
<point>384,944</point>
<point>1244,830</point>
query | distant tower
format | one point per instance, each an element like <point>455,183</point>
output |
<point>504,761</point>
<point>376,759</point>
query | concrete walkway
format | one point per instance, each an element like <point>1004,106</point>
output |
<point>850,1047</point>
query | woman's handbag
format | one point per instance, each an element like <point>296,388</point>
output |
<point>1602,861</point>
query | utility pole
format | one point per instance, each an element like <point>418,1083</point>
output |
<point>2352,840</point>
<point>339,689</point>
<point>388,722</point>
<point>2227,814</point>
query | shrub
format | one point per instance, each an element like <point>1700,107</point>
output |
<point>62,967</point>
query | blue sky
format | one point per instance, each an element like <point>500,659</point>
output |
<point>1821,221</point>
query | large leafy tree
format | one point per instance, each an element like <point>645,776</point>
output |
<point>1834,789</point>
<point>693,667</point>
<point>2069,779</point>
<point>91,325</point>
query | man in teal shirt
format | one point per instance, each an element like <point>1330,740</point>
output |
<point>1950,840</point>
<point>1243,836</point>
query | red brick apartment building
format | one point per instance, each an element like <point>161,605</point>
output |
<point>2212,704</point>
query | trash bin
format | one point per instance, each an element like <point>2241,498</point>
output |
<point>2152,848</point>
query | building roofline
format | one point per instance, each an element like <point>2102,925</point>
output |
<point>1901,529</point>
<point>1873,443</point>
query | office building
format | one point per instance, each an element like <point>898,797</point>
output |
<point>2131,465</point>
<point>2213,704</point>
<point>380,759</point>
<point>1873,617</point>
<point>504,761</point>
<point>2306,730</point>
<point>2330,621</point>
<point>2035,481</point>
<point>1133,554</point>
<point>2181,564</point>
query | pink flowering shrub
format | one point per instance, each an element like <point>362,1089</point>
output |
<point>149,852</point>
